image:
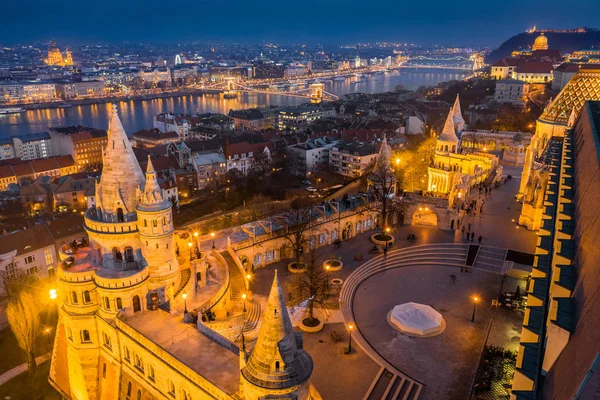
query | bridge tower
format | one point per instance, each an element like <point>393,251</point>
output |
<point>230,92</point>
<point>316,93</point>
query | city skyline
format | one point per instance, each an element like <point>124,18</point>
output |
<point>465,23</point>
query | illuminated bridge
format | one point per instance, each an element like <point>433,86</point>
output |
<point>472,63</point>
<point>230,87</point>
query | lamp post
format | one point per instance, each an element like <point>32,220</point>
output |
<point>475,300</point>
<point>248,277</point>
<point>350,327</point>
<point>47,331</point>
<point>244,297</point>
<point>327,268</point>
<point>53,293</point>
<point>190,247</point>
<point>387,236</point>
<point>184,303</point>
<point>212,234</point>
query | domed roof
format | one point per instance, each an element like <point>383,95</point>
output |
<point>540,43</point>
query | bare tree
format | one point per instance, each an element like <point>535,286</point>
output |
<point>24,321</point>
<point>383,183</point>
<point>311,286</point>
<point>261,163</point>
<point>296,220</point>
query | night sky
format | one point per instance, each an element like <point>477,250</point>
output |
<point>466,22</point>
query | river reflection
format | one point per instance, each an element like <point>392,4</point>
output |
<point>137,114</point>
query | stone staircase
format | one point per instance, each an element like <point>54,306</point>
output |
<point>238,287</point>
<point>185,278</point>
<point>390,383</point>
<point>490,259</point>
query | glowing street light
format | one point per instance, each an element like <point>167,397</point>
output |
<point>212,234</point>
<point>184,303</point>
<point>475,300</point>
<point>350,328</point>
<point>244,297</point>
<point>53,294</point>
<point>190,247</point>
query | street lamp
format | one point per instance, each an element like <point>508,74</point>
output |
<point>398,161</point>
<point>212,234</point>
<point>244,297</point>
<point>387,236</point>
<point>53,294</point>
<point>190,247</point>
<point>184,303</point>
<point>327,268</point>
<point>248,277</point>
<point>475,300</point>
<point>350,327</point>
<point>47,331</point>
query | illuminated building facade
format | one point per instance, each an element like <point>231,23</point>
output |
<point>56,58</point>
<point>453,171</point>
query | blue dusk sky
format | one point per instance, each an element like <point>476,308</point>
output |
<point>458,22</point>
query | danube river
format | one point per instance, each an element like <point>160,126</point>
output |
<point>137,114</point>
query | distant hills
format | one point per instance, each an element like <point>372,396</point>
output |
<point>564,41</point>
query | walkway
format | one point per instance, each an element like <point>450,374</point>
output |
<point>11,373</point>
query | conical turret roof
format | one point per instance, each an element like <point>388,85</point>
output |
<point>385,153</point>
<point>151,198</point>
<point>278,360</point>
<point>457,117</point>
<point>121,172</point>
<point>448,133</point>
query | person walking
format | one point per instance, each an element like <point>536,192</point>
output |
<point>479,239</point>
<point>472,236</point>
<point>469,230</point>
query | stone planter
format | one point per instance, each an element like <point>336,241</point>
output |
<point>377,239</point>
<point>334,265</point>
<point>310,329</point>
<point>292,267</point>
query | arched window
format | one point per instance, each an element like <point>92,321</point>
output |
<point>74,299</point>
<point>164,220</point>
<point>51,272</point>
<point>138,362</point>
<point>85,336</point>
<point>145,223</point>
<point>120,216</point>
<point>154,223</point>
<point>127,355</point>
<point>276,366</point>
<point>151,372</point>
<point>129,254</point>
<point>86,297</point>
<point>128,389</point>
<point>119,303</point>
<point>171,387</point>
<point>106,303</point>
<point>139,395</point>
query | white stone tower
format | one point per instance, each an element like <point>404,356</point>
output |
<point>278,366</point>
<point>155,224</point>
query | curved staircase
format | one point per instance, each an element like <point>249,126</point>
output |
<point>390,383</point>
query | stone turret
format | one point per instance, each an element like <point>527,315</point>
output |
<point>121,175</point>
<point>457,118</point>
<point>448,141</point>
<point>278,365</point>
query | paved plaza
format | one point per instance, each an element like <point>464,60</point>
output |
<point>446,364</point>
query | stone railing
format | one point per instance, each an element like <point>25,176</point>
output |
<point>216,298</point>
<point>118,281</point>
<point>217,337</point>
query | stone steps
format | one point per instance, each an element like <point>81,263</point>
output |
<point>185,278</point>
<point>490,259</point>
<point>252,315</point>
<point>236,279</point>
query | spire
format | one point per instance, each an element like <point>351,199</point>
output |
<point>385,154</point>
<point>121,173</point>
<point>457,117</point>
<point>448,134</point>
<point>278,360</point>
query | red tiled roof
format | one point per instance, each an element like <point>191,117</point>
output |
<point>65,161</point>
<point>23,169</point>
<point>535,67</point>
<point>550,54</point>
<point>81,136</point>
<point>26,241</point>
<point>507,62</point>
<point>44,164</point>
<point>6,171</point>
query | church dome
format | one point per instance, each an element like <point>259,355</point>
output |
<point>540,43</point>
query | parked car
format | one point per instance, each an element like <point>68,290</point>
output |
<point>307,182</point>
<point>311,189</point>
